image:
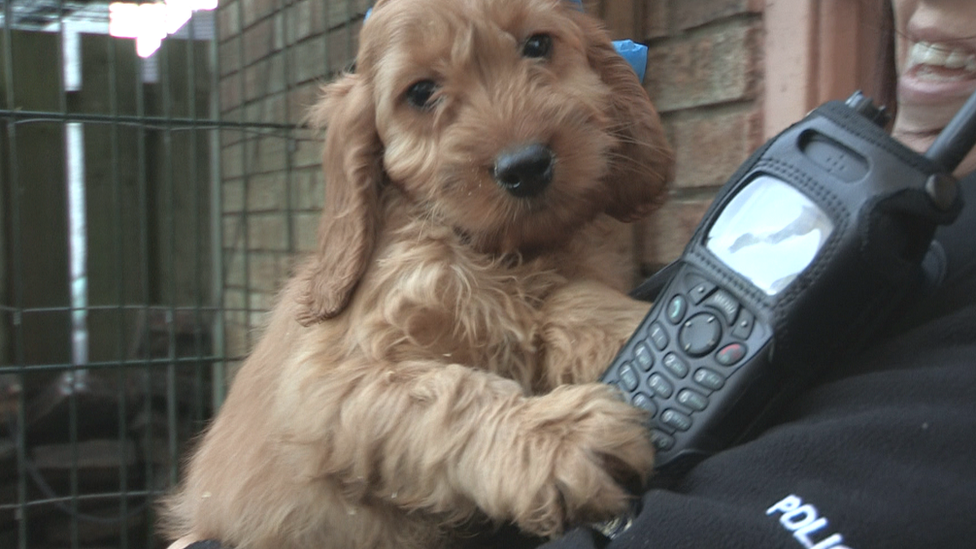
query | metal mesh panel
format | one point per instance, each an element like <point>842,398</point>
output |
<point>149,208</point>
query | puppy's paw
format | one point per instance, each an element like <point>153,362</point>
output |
<point>601,448</point>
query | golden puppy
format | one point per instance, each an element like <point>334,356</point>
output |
<point>433,365</point>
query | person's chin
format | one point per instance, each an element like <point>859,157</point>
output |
<point>937,95</point>
<point>927,101</point>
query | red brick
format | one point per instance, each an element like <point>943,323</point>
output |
<point>300,99</point>
<point>234,300</point>
<point>228,20</point>
<point>665,234</point>
<point>621,19</point>
<point>268,232</point>
<point>270,110</point>
<point>308,150</point>
<point>230,92</point>
<point>255,10</point>
<point>259,41</point>
<point>304,19</point>
<point>260,304</point>
<point>267,271</point>
<point>709,146</point>
<point>233,237</point>
<point>307,190</point>
<point>232,195</point>
<point>305,227</point>
<point>270,154</point>
<point>308,60</point>
<point>706,69</point>
<point>230,55</point>
<point>695,13</point>
<point>656,19</point>
<point>346,11</point>
<point>232,160</point>
<point>267,193</point>
<point>230,136</point>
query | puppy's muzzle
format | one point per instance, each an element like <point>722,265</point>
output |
<point>525,171</point>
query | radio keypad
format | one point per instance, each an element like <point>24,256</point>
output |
<point>660,385</point>
<point>700,334</point>
<point>725,303</point>
<point>643,357</point>
<point>701,290</point>
<point>709,379</point>
<point>676,309</point>
<point>628,377</point>
<point>692,399</point>
<point>730,354</point>
<point>676,420</point>
<point>658,336</point>
<point>661,440</point>
<point>676,365</point>
<point>645,402</point>
<point>743,325</point>
<point>703,333</point>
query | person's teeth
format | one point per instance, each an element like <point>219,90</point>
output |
<point>956,60</point>
<point>941,55</point>
<point>933,56</point>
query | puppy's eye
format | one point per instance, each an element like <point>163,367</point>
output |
<point>421,94</point>
<point>538,45</point>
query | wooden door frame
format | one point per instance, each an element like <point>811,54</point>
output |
<point>816,50</point>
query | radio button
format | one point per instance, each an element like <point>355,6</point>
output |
<point>660,385</point>
<point>644,402</point>
<point>709,379</point>
<point>743,326</point>
<point>643,357</point>
<point>661,440</point>
<point>674,364</point>
<point>700,334</point>
<point>658,336</point>
<point>676,309</point>
<point>675,419</point>
<point>700,291</point>
<point>628,377</point>
<point>730,354</point>
<point>692,399</point>
<point>725,303</point>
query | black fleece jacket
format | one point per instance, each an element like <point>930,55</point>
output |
<point>879,454</point>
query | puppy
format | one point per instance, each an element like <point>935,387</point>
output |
<point>433,366</point>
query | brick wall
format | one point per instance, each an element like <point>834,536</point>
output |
<point>705,75</point>
<point>273,57</point>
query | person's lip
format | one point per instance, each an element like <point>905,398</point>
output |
<point>937,68</point>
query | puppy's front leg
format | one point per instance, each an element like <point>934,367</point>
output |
<point>448,439</point>
<point>585,324</point>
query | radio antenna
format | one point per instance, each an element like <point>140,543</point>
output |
<point>957,139</point>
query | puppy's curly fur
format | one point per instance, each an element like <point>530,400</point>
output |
<point>433,365</point>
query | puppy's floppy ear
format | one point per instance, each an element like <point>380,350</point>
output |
<point>352,164</point>
<point>642,163</point>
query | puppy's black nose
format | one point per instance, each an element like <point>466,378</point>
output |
<point>525,171</point>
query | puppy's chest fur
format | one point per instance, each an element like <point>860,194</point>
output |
<point>430,296</point>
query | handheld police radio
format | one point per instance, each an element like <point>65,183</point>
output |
<point>800,258</point>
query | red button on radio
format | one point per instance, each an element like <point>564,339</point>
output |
<point>730,354</point>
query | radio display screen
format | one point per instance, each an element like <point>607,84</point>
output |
<point>769,233</point>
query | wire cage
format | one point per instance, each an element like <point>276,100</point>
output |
<point>157,182</point>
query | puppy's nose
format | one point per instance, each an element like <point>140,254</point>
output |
<point>525,171</point>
